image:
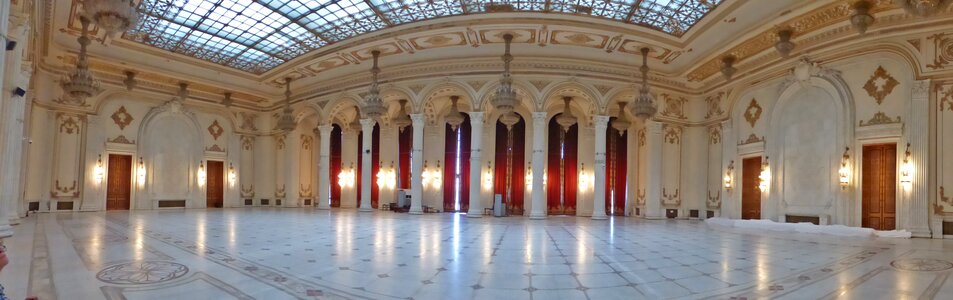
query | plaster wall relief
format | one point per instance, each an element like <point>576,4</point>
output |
<point>281,166</point>
<point>944,153</point>
<point>715,176</point>
<point>713,105</point>
<point>171,143</point>
<point>672,166</point>
<point>674,106</point>
<point>942,49</point>
<point>306,164</point>
<point>69,169</point>
<point>246,169</point>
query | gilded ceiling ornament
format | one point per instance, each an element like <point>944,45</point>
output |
<point>880,84</point>
<point>753,112</point>
<point>880,118</point>
<point>674,107</point>
<point>943,49</point>
<point>714,105</point>
<point>215,130</point>
<point>122,118</point>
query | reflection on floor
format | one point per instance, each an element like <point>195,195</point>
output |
<point>308,254</point>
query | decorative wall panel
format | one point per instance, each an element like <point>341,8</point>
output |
<point>671,165</point>
<point>68,165</point>
<point>944,126</point>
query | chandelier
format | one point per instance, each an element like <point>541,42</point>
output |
<point>566,119</point>
<point>505,98</point>
<point>79,84</point>
<point>113,16</point>
<point>644,105</point>
<point>286,120</point>
<point>728,66</point>
<point>861,17</point>
<point>920,8</point>
<point>454,117</point>
<point>373,104</point>
<point>784,44</point>
<point>402,120</point>
<point>622,123</point>
<point>509,119</point>
<point>355,124</point>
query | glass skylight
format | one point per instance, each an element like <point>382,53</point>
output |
<point>258,35</point>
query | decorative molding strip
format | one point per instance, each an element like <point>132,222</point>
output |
<point>880,118</point>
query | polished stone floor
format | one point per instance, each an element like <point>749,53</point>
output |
<point>306,254</point>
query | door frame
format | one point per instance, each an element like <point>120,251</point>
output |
<point>224,180</point>
<point>134,184</point>
<point>739,178</point>
<point>858,180</point>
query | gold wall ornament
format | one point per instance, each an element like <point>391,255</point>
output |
<point>943,198</point>
<point>943,50</point>
<point>304,190</point>
<point>946,99</point>
<point>751,140</point>
<point>69,124</point>
<point>714,202</point>
<point>714,105</point>
<point>641,137</point>
<point>671,199</point>
<point>674,107</point>
<point>714,135</point>
<point>121,117</point>
<point>214,148</point>
<point>640,196</point>
<point>280,141</point>
<point>306,141</point>
<point>215,130</point>
<point>880,118</point>
<point>248,121</point>
<point>249,192</point>
<point>880,84</point>
<point>64,190</point>
<point>247,142</point>
<point>280,191</point>
<point>673,135</point>
<point>121,139</point>
<point>753,112</point>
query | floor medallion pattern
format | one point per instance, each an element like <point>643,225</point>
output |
<point>144,272</point>
<point>922,264</point>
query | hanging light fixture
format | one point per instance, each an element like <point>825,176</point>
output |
<point>130,81</point>
<point>113,16</point>
<point>373,104</point>
<point>622,122</point>
<point>509,119</point>
<point>920,8</point>
<point>861,18</point>
<point>728,66</point>
<point>355,124</point>
<point>784,44</point>
<point>644,105</point>
<point>79,84</point>
<point>286,121</point>
<point>454,117</point>
<point>505,98</point>
<point>566,119</point>
<point>402,120</point>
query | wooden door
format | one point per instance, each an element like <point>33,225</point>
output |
<point>215,184</point>
<point>118,182</point>
<point>750,191</point>
<point>879,183</point>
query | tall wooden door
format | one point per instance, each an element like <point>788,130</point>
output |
<point>215,184</point>
<point>750,191</point>
<point>118,182</point>
<point>879,180</point>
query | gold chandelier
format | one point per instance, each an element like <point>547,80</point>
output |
<point>644,105</point>
<point>373,104</point>
<point>80,84</point>
<point>286,121</point>
<point>505,98</point>
<point>454,117</point>
<point>566,119</point>
<point>402,120</point>
<point>113,16</point>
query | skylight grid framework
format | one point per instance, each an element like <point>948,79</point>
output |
<point>258,35</point>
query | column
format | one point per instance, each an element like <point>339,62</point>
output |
<point>476,182</point>
<point>653,161</point>
<point>918,214</point>
<point>324,171</point>
<point>599,201</point>
<point>731,198</point>
<point>539,158</point>
<point>367,125</point>
<point>5,229</point>
<point>416,163</point>
<point>13,117</point>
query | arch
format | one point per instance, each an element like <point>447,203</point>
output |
<point>437,98</point>
<point>170,176</point>
<point>527,99</point>
<point>579,91</point>
<point>467,94</point>
<point>336,109</point>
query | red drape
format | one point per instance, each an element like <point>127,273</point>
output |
<point>405,145</point>
<point>553,187</point>
<point>570,166</point>
<point>449,168</point>
<point>375,165</point>
<point>465,137</point>
<point>517,168</point>
<point>615,171</point>
<point>360,162</point>
<point>335,166</point>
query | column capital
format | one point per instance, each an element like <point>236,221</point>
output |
<point>653,127</point>
<point>417,119</point>
<point>539,116</point>
<point>368,123</point>
<point>476,116</point>
<point>921,89</point>
<point>601,121</point>
<point>326,129</point>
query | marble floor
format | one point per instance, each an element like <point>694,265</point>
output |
<point>265,253</point>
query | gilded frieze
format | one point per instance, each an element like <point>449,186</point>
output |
<point>753,112</point>
<point>121,118</point>
<point>880,84</point>
<point>674,107</point>
<point>215,130</point>
<point>943,50</point>
<point>439,40</point>
<point>880,118</point>
<point>582,39</point>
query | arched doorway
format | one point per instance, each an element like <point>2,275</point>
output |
<point>375,164</point>
<point>561,168</point>
<point>508,172</point>
<point>335,167</point>
<point>616,171</point>
<point>456,168</point>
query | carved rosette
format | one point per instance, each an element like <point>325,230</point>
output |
<point>215,130</point>
<point>880,84</point>
<point>121,118</point>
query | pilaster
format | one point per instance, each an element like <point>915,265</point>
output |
<point>476,142</point>
<point>539,158</point>
<point>599,199</point>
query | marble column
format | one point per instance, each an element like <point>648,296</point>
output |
<point>731,198</point>
<point>5,229</point>
<point>416,162</point>
<point>324,169</point>
<point>476,181</point>
<point>653,165</point>
<point>918,135</point>
<point>599,199</point>
<point>13,110</point>
<point>539,158</point>
<point>367,125</point>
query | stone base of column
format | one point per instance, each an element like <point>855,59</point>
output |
<point>917,232</point>
<point>600,217</point>
<point>473,214</point>
<point>416,212</point>
<point>14,220</point>
<point>5,231</point>
<point>365,209</point>
<point>537,216</point>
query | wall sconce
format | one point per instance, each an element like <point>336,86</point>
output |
<point>765,176</point>
<point>488,177</point>
<point>141,172</point>
<point>906,168</point>
<point>202,176</point>
<point>231,175</point>
<point>386,177</point>
<point>346,177</point>
<point>99,172</point>
<point>729,175</point>
<point>585,179</point>
<point>529,177</point>
<point>844,171</point>
<point>432,177</point>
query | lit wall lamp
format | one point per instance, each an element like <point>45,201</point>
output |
<point>844,171</point>
<point>765,176</point>
<point>99,172</point>
<point>488,177</point>
<point>729,175</point>
<point>346,177</point>
<point>386,177</point>
<point>232,177</point>
<point>906,169</point>
<point>585,179</point>
<point>529,177</point>
<point>432,177</point>
<point>202,175</point>
<point>141,173</point>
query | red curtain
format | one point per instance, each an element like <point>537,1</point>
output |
<point>335,166</point>
<point>375,165</point>
<point>449,168</point>
<point>405,145</point>
<point>360,162</point>
<point>570,144</point>
<point>465,137</point>
<point>553,187</point>
<point>513,200</point>
<point>615,171</point>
